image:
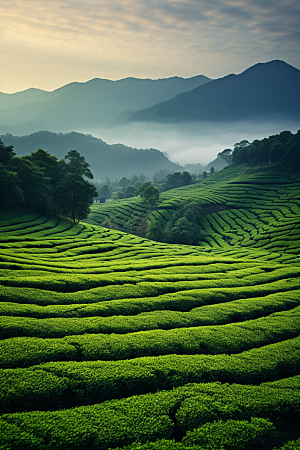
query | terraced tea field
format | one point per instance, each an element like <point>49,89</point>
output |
<point>110,340</point>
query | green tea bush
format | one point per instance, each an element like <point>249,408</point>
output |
<point>231,338</point>
<point>93,315</point>
<point>291,445</point>
<point>65,324</point>
<point>150,417</point>
<point>234,435</point>
<point>95,381</point>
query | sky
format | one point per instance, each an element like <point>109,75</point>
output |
<point>48,43</point>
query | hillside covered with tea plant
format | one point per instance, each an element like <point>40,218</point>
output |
<point>113,341</point>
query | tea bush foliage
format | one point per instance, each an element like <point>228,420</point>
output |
<point>110,340</point>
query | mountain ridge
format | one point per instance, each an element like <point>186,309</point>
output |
<point>78,106</point>
<point>246,96</point>
<point>113,161</point>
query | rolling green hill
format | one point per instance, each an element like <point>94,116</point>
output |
<point>110,340</point>
<point>257,210</point>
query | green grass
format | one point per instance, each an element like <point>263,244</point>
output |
<point>110,340</point>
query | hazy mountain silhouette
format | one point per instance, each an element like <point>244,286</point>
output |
<point>265,90</point>
<point>113,161</point>
<point>96,103</point>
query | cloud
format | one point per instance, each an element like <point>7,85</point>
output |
<point>193,142</point>
<point>65,19</point>
<point>155,38</point>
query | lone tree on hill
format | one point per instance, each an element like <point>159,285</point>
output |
<point>151,194</point>
<point>142,188</point>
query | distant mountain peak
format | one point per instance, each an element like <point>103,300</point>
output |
<point>274,64</point>
<point>265,91</point>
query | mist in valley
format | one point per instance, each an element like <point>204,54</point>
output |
<point>195,142</point>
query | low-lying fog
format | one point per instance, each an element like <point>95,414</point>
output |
<point>190,142</point>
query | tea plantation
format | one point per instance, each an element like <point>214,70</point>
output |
<point>113,341</point>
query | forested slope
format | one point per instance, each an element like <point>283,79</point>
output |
<point>110,340</point>
<point>115,161</point>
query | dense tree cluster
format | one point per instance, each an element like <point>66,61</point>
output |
<point>182,228</point>
<point>119,189</point>
<point>149,193</point>
<point>175,180</point>
<point>130,187</point>
<point>226,155</point>
<point>42,183</point>
<point>280,149</point>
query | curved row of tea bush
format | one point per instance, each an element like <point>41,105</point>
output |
<point>201,413</point>
<point>64,384</point>
<point>230,338</point>
<point>90,317</point>
<point>15,319</point>
<point>265,196</point>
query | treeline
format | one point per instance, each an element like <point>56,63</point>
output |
<point>123,188</point>
<point>280,149</point>
<point>130,187</point>
<point>42,183</point>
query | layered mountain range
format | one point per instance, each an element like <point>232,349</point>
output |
<point>265,91</point>
<point>114,161</point>
<point>263,94</point>
<point>78,106</point>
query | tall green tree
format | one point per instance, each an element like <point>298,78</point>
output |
<point>11,193</point>
<point>186,179</point>
<point>104,191</point>
<point>155,231</point>
<point>140,191</point>
<point>77,164</point>
<point>74,194</point>
<point>6,153</point>
<point>124,182</point>
<point>276,152</point>
<point>151,194</point>
<point>130,191</point>
<point>36,187</point>
<point>42,183</point>
<point>183,227</point>
<point>47,163</point>
<point>226,155</point>
<point>172,181</point>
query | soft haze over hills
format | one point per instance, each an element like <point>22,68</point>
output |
<point>114,161</point>
<point>191,119</point>
<point>264,91</point>
<point>96,103</point>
